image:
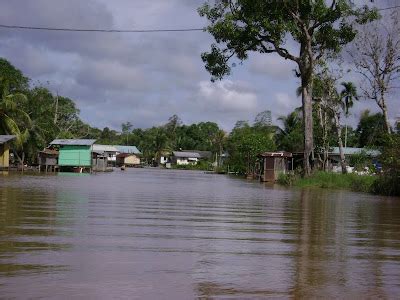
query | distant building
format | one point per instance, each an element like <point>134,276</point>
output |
<point>74,153</point>
<point>203,154</point>
<point>181,158</point>
<point>109,151</point>
<point>5,141</point>
<point>48,160</point>
<point>334,154</point>
<point>275,163</point>
<point>128,159</point>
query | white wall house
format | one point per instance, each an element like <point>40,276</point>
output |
<point>185,158</point>
<point>108,150</point>
<point>111,151</point>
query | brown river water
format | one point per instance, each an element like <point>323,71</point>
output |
<point>167,234</point>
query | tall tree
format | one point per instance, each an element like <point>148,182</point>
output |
<point>371,130</point>
<point>316,27</point>
<point>289,135</point>
<point>376,54</point>
<point>11,78</point>
<point>126,128</point>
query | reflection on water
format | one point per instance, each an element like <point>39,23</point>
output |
<point>150,234</point>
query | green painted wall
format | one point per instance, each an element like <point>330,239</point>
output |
<point>75,156</point>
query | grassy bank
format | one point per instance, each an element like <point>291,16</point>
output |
<point>351,182</point>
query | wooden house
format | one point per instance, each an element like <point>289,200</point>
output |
<point>5,141</point>
<point>48,160</point>
<point>74,153</point>
<point>100,162</point>
<point>273,164</point>
<point>128,159</point>
<point>110,151</point>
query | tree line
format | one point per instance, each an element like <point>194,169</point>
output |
<point>37,116</point>
<point>314,35</point>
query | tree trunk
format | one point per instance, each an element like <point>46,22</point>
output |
<point>340,142</point>
<point>21,159</point>
<point>308,125</point>
<point>383,107</point>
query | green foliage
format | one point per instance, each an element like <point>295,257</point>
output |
<point>371,129</point>
<point>201,165</point>
<point>388,182</point>
<point>287,179</point>
<point>245,143</point>
<point>11,78</point>
<point>360,160</point>
<point>264,26</point>
<point>338,181</point>
<point>290,136</point>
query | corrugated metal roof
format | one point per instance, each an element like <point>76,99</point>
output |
<point>352,151</point>
<point>276,154</point>
<point>128,149</point>
<point>6,138</point>
<point>105,148</point>
<point>74,142</point>
<point>203,154</point>
<point>186,154</point>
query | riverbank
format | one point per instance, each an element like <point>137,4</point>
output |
<point>374,184</point>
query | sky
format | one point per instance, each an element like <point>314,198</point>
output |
<point>143,78</point>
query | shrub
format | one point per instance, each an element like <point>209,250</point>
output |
<point>387,184</point>
<point>286,179</point>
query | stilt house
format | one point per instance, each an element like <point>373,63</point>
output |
<point>5,141</point>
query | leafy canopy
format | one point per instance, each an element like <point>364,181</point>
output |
<point>319,26</point>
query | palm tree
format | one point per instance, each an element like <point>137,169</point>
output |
<point>348,93</point>
<point>13,120</point>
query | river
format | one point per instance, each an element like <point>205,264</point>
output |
<point>168,234</point>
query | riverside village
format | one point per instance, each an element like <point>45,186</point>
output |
<point>203,149</point>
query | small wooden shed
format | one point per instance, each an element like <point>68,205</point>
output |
<point>100,161</point>
<point>75,153</point>
<point>48,158</point>
<point>275,163</point>
<point>5,141</point>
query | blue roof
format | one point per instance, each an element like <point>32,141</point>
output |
<point>127,149</point>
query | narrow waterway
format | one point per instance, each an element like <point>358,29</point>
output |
<point>165,234</point>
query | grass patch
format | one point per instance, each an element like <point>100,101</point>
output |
<point>329,180</point>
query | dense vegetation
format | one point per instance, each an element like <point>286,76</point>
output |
<point>37,116</point>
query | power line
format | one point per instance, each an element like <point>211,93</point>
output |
<point>391,7</point>
<point>99,30</point>
<point>122,30</point>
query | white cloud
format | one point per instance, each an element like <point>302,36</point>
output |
<point>226,96</point>
<point>273,66</point>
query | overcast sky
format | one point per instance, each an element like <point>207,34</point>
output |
<point>142,78</point>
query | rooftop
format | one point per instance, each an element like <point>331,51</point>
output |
<point>276,154</point>
<point>105,148</point>
<point>128,149</point>
<point>186,154</point>
<point>203,154</point>
<point>6,138</point>
<point>352,151</point>
<point>74,142</point>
